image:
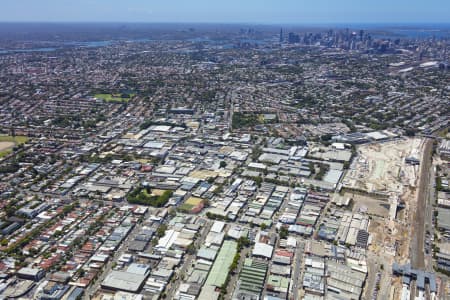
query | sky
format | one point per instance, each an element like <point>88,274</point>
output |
<point>228,11</point>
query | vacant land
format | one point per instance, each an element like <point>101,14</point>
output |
<point>380,171</point>
<point>373,206</point>
<point>381,167</point>
<point>5,148</point>
<point>6,145</point>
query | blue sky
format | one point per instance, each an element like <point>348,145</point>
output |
<point>228,11</point>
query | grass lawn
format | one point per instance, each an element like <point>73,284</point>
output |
<point>144,161</point>
<point>261,119</point>
<point>7,143</point>
<point>190,203</point>
<point>113,97</point>
<point>186,207</point>
<point>146,194</point>
<point>5,152</point>
<point>19,139</point>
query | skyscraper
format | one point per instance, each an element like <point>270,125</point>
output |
<point>293,38</point>
<point>281,35</point>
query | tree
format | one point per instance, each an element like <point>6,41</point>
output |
<point>326,137</point>
<point>161,231</point>
<point>256,152</point>
<point>81,272</point>
<point>172,212</point>
<point>283,232</point>
<point>223,164</point>
<point>346,165</point>
<point>410,132</point>
<point>191,249</point>
<point>311,167</point>
<point>143,196</point>
<point>243,242</point>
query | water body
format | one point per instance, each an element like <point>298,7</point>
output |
<point>414,33</point>
<point>93,44</point>
<point>379,31</point>
<point>9,51</point>
<point>411,31</point>
<point>98,44</point>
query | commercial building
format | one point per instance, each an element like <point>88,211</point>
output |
<point>219,271</point>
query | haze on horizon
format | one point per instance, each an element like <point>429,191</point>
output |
<point>230,11</point>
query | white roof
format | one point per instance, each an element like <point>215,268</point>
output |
<point>340,146</point>
<point>429,64</point>
<point>333,176</point>
<point>291,241</point>
<point>163,128</point>
<point>257,165</point>
<point>376,135</point>
<point>138,269</point>
<point>238,155</point>
<point>124,280</point>
<point>167,240</point>
<point>218,226</point>
<point>262,249</point>
<point>154,145</point>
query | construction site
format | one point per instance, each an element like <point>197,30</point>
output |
<point>383,181</point>
<point>383,168</point>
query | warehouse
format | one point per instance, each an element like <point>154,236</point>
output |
<point>219,271</point>
<point>344,281</point>
<point>124,281</point>
<point>251,280</point>
<point>262,250</point>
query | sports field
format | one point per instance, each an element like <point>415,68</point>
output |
<point>113,97</point>
<point>8,142</point>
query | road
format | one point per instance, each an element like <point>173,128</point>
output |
<point>429,226</point>
<point>418,240</point>
<point>230,115</point>
<point>296,278</point>
<point>385,283</point>
<point>373,270</point>
<point>234,278</point>
<point>172,288</point>
<point>90,291</point>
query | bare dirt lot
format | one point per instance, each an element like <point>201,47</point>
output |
<point>378,178</point>
<point>381,167</point>
<point>371,205</point>
<point>6,145</point>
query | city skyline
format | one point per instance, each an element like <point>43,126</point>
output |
<point>209,150</point>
